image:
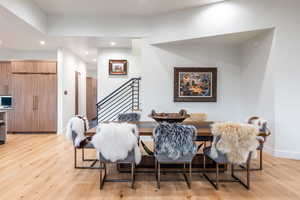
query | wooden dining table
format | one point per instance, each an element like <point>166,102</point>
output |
<point>146,128</point>
<point>204,135</point>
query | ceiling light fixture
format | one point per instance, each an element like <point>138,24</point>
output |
<point>42,42</point>
<point>1,42</point>
<point>112,44</point>
<point>95,60</point>
<point>86,53</point>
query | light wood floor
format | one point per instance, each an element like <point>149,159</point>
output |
<point>41,167</point>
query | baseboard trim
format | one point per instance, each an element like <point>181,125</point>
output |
<point>282,153</point>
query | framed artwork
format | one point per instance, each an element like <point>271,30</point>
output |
<point>118,67</point>
<point>195,84</point>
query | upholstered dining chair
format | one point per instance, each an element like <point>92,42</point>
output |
<point>117,144</point>
<point>233,145</point>
<point>129,117</point>
<point>174,144</point>
<point>76,128</point>
<point>263,127</point>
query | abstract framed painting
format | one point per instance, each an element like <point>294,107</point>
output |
<point>195,84</point>
<point>118,67</point>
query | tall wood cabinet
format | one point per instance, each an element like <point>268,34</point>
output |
<point>91,97</point>
<point>5,77</point>
<point>34,92</point>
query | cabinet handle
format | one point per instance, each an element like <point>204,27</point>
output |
<point>33,102</point>
<point>37,103</point>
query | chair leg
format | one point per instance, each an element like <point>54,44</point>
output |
<point>261,159</point>
<point>217,176</point>
<point>132,175</point>
<point>101,179</point>
<point>248,173</point>
<point>155,169</point>
<point>82,154</point>
<point>190,174</point>
<point>158,175</point>
<point>75,158</point>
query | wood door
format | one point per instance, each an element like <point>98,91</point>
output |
<point>91,97</point>
<point>22,119</point>
<point>45,67</point>
<point>46,92</point>
<point>23,67</point>
<point>5,78</point>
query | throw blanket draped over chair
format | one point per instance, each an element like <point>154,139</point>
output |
<point>115,140</point>
<point>79,125</point>
<point>235,140</point>
<point>174,140</point>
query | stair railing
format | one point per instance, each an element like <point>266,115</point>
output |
<point>124,99</point>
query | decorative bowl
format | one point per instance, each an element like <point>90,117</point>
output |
<point>169,117</point>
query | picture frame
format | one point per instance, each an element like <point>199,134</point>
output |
<point>195,84</point>
<point>118,67</point>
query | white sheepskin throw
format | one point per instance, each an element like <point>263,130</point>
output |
<point>79,125</point>
<point>115,140</point>
<point>235,140</point>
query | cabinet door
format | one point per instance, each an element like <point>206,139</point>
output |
<point>45,67</point>
<point>5,78</point>
<point>46,90</point>
<point>23,67</point>
<point>23,116</point>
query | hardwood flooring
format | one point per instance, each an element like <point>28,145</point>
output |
<point>41,167</point>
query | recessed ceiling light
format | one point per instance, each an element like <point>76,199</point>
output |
<point>42,42</point>
<point>112,44</point>
<point>86,53</point>
<point>95,60</point>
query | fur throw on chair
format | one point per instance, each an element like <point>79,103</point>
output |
<point>235,140</point>
<point>115,140</point>
<point>174,140</point>
<point>129,117</point>
<point>79,125</point>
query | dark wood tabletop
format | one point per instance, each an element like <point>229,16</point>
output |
<point>146,128</point>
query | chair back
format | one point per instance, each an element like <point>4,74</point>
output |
<point>235,140</point>
<point>129,117</point>
<point>197,117</point>
<point>174,140</point>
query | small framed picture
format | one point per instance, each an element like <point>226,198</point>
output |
<point>195,84</point>
<point>118,67</point>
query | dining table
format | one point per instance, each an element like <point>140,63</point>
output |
<point>204,136</point>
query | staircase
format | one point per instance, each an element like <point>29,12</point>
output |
<point>124,99</point>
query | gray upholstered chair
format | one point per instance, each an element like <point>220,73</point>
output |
<point>129,117</point>
<point>230,154</point>
<point>129,160</point>
<point>261,139</point>
<point>85,144</point>
<point>174,144</point>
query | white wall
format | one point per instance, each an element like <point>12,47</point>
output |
<point>108,83</point>
<point>68,64</point>
<point>257,81</point>
<point>158,74</point>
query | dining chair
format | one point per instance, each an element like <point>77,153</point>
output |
<point>117,144</point>
<point>129,160</point>
<point>237,143</point>
<point>174,144</point>
<point>263,127</point>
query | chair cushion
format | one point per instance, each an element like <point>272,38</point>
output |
<point>221,158</point>
<point>165,159</point>
<point>129,159</point>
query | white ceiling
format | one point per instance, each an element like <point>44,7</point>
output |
<point>116,7</point>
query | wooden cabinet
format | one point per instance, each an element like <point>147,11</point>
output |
<point>91,97</point>
<point>34,103</point>
<point>34,67</point>
<point>5,77</point>
<point>45,67</point>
